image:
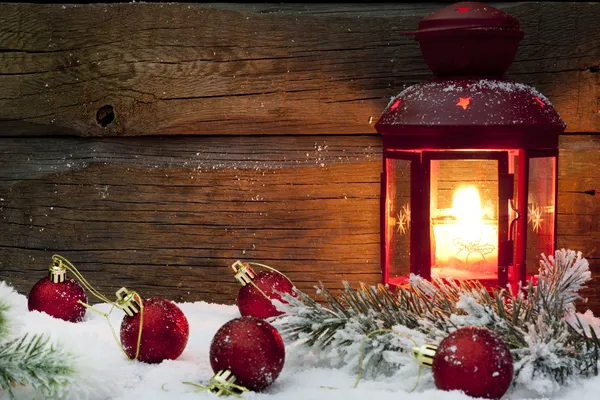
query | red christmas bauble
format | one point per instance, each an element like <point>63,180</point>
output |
<point>59,300</point>
<point>251,349</point>
<point>165,332</point>
<point>475,360</point>
<point>251,302</point>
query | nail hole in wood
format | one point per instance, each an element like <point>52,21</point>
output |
<point>105,115</point>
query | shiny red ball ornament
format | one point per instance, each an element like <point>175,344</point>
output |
<point>251,302</point>
<point>251,349</point>
<point>59,300</point>
<point>475,360</point>
<point>165,331</point>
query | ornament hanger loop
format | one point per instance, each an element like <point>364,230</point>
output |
<point>247,266</point>
<point>61,262</point>
<point>243,272</point>
<point>127,301</point>
<point>57,271</point>
<point>131,303</point>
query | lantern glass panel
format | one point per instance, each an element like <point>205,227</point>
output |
<point>398,217</point>
<point>464,218</point>
<point>540,210</point>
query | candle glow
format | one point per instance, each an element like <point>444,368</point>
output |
<point>466,237</point>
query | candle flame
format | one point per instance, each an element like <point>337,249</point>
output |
<point>466,205</point>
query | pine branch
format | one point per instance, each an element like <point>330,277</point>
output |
<point>312,323</point>
<point>8,299</point>
<point>339,329</point>
<point>563,276</point>
<point>533,321</point>
<point>34,361</point>
<point>4,322</point>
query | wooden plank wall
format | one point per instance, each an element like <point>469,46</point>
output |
<point>155,144</point>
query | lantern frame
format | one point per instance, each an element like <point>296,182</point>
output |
<point>512,239</point>
<point>469,112</point>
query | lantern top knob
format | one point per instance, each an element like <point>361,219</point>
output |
<point>468,38</point>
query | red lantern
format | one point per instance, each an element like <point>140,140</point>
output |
<point>469,177</point>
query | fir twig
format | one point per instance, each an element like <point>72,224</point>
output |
<point>4,322</point>
<point>34,361</point>
<point>533,321</point>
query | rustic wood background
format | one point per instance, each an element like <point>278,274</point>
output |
<point>155,144</point>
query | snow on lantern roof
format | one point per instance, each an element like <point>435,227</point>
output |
<point>473,107</point>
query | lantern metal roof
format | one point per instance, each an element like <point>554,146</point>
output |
<point>469,46</point>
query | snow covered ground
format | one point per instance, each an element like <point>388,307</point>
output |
<point>107,374</point>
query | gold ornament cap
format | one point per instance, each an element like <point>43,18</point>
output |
<point>57,272</point>
<point>221,378</point>
<point>223,383</point>
<point>243,272</point>
<point>127,302</point>
<point>425,354</point>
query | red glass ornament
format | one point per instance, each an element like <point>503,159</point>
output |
<point>251,302</point>
<point>59,300</point>
<point>165,332</point>
<point>251,349</point>
<point>475,360</point>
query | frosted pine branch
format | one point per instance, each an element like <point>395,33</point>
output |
<point>562,276</point>
<point>548,358</point>
<point>548,340</point>
<point>36,362</point>
<point>30,361</point>
<point>9,323</point>
<point>4,321</point>
<point>307,320</point>
<point>338,331</point>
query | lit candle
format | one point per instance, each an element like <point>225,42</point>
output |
<point>466,240</point>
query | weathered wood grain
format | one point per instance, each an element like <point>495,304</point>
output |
<point>255,69</point>
<point>168,215</point>
<point>579,212</point>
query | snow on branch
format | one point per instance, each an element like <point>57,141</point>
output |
<point>550,343</point>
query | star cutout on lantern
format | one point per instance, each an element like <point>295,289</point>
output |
<point>403,219</point>
<point>395,105</point>
<point>400,224</point>
<point>535,217</point>
<point>406,210</point>
<point>462,9</point>
<point>542,104</point>
<point>464,102</point>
